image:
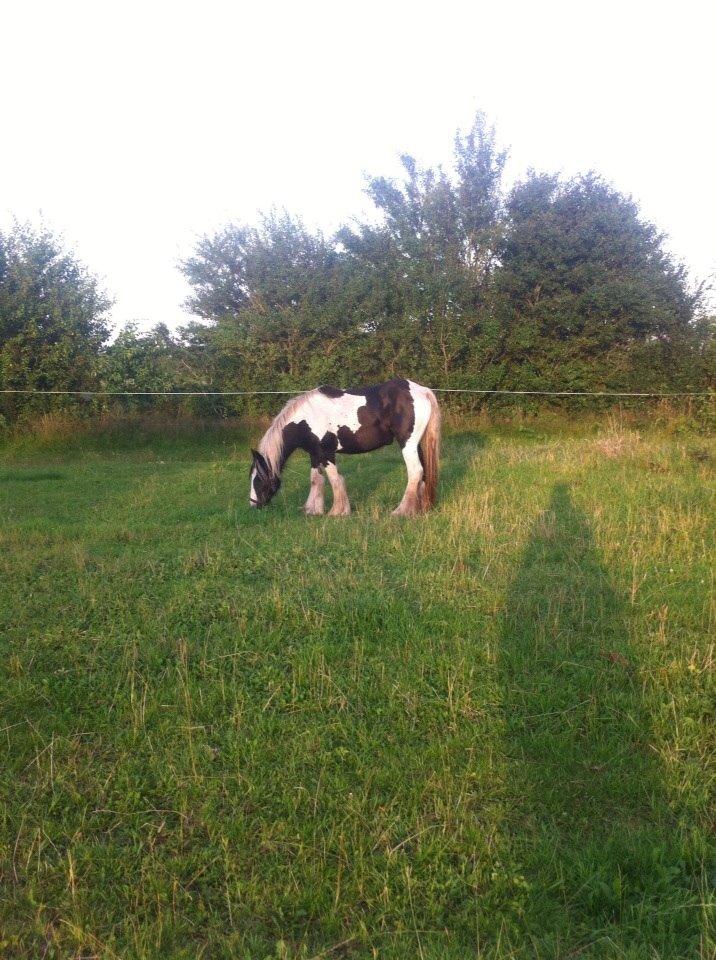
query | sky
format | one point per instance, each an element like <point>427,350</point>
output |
<point>134,128</point>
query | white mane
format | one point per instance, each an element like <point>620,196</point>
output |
<point>271,445</point>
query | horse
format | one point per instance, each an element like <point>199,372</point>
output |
<point>326,421</point>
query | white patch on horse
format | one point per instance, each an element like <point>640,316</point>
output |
<point>341,504</point>
<point>314,506</point>
<point>414,497</point>
<point>252,477</point>
<point>344,413</point>
<point>322,414</point>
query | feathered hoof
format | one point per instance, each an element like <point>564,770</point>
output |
<point>401,511</point>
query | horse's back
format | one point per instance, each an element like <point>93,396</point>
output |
<point>366,418</point>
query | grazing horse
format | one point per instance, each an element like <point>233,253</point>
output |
<point>327,421</point>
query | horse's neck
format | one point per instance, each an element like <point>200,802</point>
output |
<point>275,447</point>
<point>270,447</point>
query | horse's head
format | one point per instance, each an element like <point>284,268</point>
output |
<point>264,482</point>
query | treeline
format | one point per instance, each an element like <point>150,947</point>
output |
<point>457,281</point>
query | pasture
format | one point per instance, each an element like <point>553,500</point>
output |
<point>485,733</point>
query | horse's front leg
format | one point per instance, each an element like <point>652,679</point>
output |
<point>412,502</point>
<point>341,504</point>
<point>314,506</point>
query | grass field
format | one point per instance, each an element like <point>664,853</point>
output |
<point>486,733</point>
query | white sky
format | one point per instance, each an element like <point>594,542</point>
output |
<point>133,128</point>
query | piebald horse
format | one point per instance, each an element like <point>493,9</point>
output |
<point>327,421</point>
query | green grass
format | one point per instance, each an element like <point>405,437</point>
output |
<point>483,733</point>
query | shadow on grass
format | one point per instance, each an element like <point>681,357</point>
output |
<point>29,476</point>
<point>593,846</point>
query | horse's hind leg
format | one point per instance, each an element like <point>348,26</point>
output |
<point>412,502</point>
<point>341,504</point>
<point>314,506</point>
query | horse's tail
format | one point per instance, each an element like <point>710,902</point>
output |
<point>430,452</point>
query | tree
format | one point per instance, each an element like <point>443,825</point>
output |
<point>274,310</point>
<point>52,318</point>
<point>553,285</point>
<point>587,296</point>
<point>428,266</point>
<point>217,273</point>
<point>150,361</point>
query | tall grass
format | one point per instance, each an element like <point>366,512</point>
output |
<point>68,430</point>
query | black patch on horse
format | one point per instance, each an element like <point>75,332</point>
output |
<point>300,436</point>
<point>329,445</point>
<point>388,414</point>
<point>333,392</point>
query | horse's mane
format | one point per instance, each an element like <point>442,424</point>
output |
<point>271,445</point>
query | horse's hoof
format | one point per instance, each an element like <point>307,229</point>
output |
<point>404,512</point>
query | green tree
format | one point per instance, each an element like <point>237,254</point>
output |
<point>275,311</point>
<point>428,265</point>
<point>217,273</point>
<point>554,285</point>
<point>53,318</point>
<point>152,361</point>
<point>587,295</point>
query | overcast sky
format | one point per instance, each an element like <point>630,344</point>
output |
<point>133,128</point>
